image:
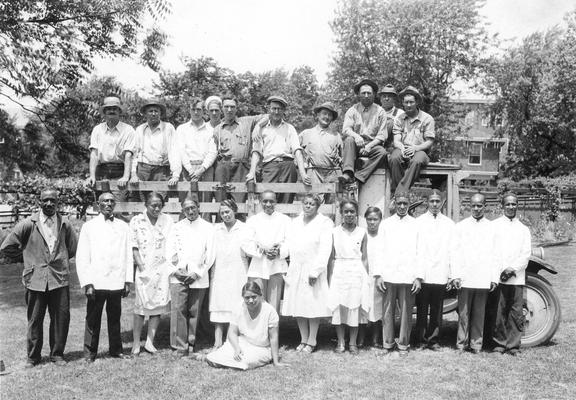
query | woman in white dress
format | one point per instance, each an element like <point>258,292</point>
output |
<point>230,268</point>
<point>252,336</point>
<point>149,232</point>
<point>309,243</point>
<point>373,216</point>
<point>349,297</point>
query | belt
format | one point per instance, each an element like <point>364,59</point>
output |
<point>324,168</point>
<point>111,164</point>
<point>153,165</point>
<point>280,159</point>
<point>196,162</point>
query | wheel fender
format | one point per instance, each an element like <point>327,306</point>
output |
<point>535,264</point>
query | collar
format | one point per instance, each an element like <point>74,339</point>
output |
<point>234,121</point>
<point>479,219</point>
<point>201,126</point>
<point>111,218</point>
<point>417,117</point>
<point>159,127</point>
<point>116,128</point>
<point>361,108</point>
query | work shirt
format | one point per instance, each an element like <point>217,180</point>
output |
<point>473,253</point>
<point>322,148</point>
<point>393,113</point>
<point>435,236</point>
<point>48,229</point>
<point>414,131</point>
<point>234,139</point>
<point>194,145</point>
<point>154,146</point>
<point>370,123</point>
<point>44,269</point>
<point>275,141</point>
<point>113,143</point>
<point>191,245</point>
<point>513,248</point>
<point>104,258</point>
<point>267,230</point>
<point>398,238</point>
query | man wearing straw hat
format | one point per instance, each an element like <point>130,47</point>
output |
<point>322,147</point>
<point>154,159</point>
<point>112,144</point>
<point>413,138</point>
<point>213,106</point>
<point>364,132</point>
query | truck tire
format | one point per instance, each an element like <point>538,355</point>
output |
<point>541,311</point>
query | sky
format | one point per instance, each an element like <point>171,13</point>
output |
<point>260,35</point>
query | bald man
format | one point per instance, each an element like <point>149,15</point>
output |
<point>475,273</point>
<point>45,242</point>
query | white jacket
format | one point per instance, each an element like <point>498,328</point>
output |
<point>513,248</point>
<point>473,258</point>
<point>435,237</point>
<point>399,237</point>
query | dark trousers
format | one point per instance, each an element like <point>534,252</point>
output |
<point>112,171</point>
<point>376,158</point>
<point>231,171</point>
<point>471,308</point>
<point>510,318</point>
<point>113,300</point>
<point>490,316</point>
<point>205,197</point>
<point>283,171</point>
<point>429,301</point>
<point>185,311</point>
<point>403,173</point>
<point>148,172</point>
<point>58,303</point>
<point>400,292</point>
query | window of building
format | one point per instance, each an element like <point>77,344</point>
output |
<point>475,154</point>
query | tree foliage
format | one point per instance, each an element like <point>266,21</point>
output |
<point>48,46</point>
<point>535,84</point>
<point>429,44</point>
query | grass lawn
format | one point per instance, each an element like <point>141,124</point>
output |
<point>547,372</point>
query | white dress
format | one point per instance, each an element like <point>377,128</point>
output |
<point>375,257</point>
<point>152,284</point>
<point>349,296</point>
<point>253,339</point>
<point>309,246</point>
<point>229,271</point>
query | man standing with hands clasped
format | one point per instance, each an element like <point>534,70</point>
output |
<point>475,273</point>
<point>399,277</point>
<point>105,268</point>
<point>46,242</point>
<point>513,249</point>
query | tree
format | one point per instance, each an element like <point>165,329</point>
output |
<point>429,44</point>
<point>535,85</point>
<point>47,46</point>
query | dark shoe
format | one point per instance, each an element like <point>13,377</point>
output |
<point>498,349</point>
<point>354,349</point>
<point>421,346</point>
<point>434,347</point>
<point>58,361</point>
<point>513,352</point>
<point>346,178</point>
<point>122,356</point>
<point>89,359</point>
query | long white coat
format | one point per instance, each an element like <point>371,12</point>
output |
<point>473,253</point>
<point>435,236</point>
<point>513,247</point>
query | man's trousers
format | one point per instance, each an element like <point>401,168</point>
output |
<point>113,301</point>
<point>510,318</point>
<point>400,292</point>
<point>184,314</point>
<point>429,302</point>
<point>471,309</point>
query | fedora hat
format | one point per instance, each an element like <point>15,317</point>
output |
<point>368,82</point>
<point>388,89</point>
<point>111,102</point>
<point>153,102</point>
<point>413,91</point>
<point>278,99</point>
<point>327,106</point>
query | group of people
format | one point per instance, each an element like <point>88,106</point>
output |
<point>218,145</point>
<point>354,276</point>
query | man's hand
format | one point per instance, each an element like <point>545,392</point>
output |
<point>126,290</point>
<point>238,355</point>
<point>416,286</point>
<point>380,284</point>
<point>173,181</point>
<point>272,253</point>
<point>359,141</point>
<point>312,280</point>
<point>364,151</point>
<point>181,275</point>
<point>456,283</point>
<point>134,179</point>
<point>408,151</point>
<point>493,286</point>
<point>306,179</point>
<point>197,174</point>
<point>507,274</point>
<point>90,181</point>
<point>250,176</point>
<point>190,279</point>
<point>90,292</point>
<point>122,182</point>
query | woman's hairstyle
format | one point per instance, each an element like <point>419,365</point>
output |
<point>348,201</point>
<point>314,197</point>
<point>231,204</point>
<point>251,287</point>
<point>374,210</point>
<point>192,199</point>
<point>154,195</point>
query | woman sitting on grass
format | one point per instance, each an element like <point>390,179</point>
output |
<point>252,335</point>
<point>349,296</point>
